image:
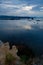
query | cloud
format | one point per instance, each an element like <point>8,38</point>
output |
<point>41,10</point>
<point>27,8</point>
<point>21,7</point>
<point>7,2</point>
<point>9,6</point>
<point>17,9</point>
<point>41,7</point>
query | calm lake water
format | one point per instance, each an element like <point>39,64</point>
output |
<point>28,32</point>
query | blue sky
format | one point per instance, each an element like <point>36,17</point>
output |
<point>21,7</point>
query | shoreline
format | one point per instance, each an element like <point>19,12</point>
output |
<point>18,52</point>
<point>22,46</point>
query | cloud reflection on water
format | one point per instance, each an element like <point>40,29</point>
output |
<point>20,25</point>
<point>9,30</point>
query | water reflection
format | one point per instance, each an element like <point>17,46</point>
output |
<point>25,32</point>
<point>20,25</point>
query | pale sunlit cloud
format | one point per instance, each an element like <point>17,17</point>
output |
<point>27,8</point>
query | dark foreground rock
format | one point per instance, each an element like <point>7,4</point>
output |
<point>24,50</point>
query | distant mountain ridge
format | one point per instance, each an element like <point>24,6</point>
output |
<point>2,17</point>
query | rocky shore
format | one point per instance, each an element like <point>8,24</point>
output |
<point>21,55</point>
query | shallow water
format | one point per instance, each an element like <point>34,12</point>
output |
<point>28,32</point>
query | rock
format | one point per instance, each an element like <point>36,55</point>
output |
<point>1,43</point>
<point>4,49</point>
<point>23,50</point>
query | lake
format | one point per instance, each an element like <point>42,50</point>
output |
<point>27,32</point>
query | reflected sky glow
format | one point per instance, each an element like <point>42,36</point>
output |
<point>18,31</point>
<point>20,25</point>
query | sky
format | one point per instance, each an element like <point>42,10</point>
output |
<point>21,7</point>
